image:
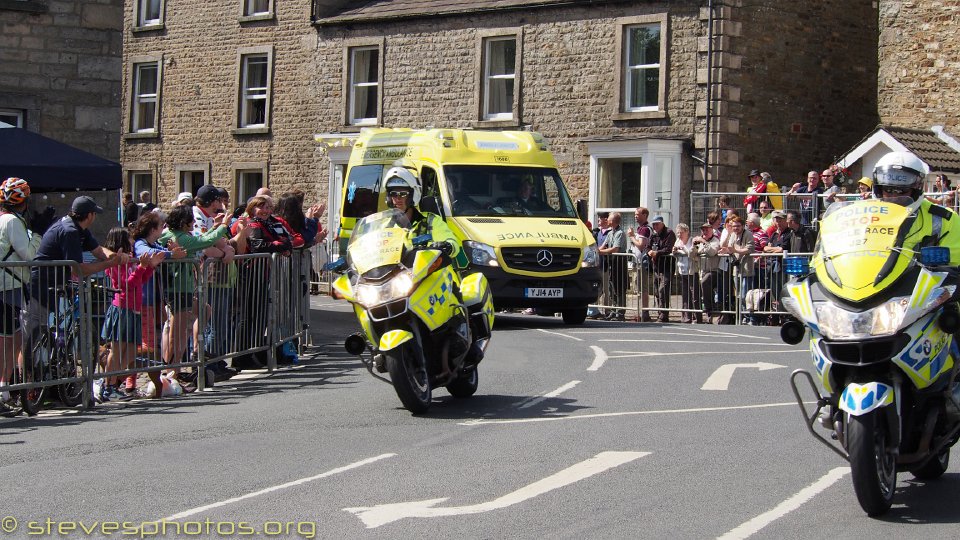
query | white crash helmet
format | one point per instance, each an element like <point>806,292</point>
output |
<point>403,178</point>
<point>900,170</point>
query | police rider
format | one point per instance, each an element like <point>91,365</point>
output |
<point>403,193</point>
<point>901,174</point>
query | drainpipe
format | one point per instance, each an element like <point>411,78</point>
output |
<point>706,146</point>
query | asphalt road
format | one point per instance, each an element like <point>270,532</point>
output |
<point>598,431</point>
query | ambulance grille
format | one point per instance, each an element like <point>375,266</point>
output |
<point>530,258</point>
<point>561,222</point>
<point>484,220</point>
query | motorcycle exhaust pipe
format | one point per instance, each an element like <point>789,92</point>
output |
<point>355,344</point>
<point>792,332</point>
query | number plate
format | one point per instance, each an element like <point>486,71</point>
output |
<point>543,292</point>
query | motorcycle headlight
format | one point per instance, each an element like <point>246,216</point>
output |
<point>591,257</point>
<point>884,320</point>
<point>481,254</point>
<point>399,286</point>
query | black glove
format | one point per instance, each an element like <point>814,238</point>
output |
<point>444,247</point>
<point>41,221</point>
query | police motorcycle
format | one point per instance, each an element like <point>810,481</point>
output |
<point>421,321</point>
<point>882,321</point>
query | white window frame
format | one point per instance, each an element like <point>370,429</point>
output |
<point>354,85</point>
<point>140,10</point>
<point>488,77</point>
<point>191,168</point>
<point>246,96</point>
<point>140,97</point>
<point>629,69</point>
<point>17,115</point>
<point>250,8</point>
<point>622,108</point>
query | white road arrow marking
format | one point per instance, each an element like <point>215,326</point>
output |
<point>720,379</point>
<point>375,516</point>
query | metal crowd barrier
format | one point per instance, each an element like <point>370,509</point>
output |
<point>723,296</point>
<point>70,336</point>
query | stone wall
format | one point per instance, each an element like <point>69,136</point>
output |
<point>796,85</point>
<point>200,43</point>
<point>919,57</point>
<point>60,62</point>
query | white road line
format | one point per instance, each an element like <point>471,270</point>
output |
<point>697,342</point>
<point>756,524</point>
<point>702,354</point>
<point>660,332</point>
<point>625,413</point>
<point>526,404</point>
<point>338,470</point>
<point>599,357</point>
<point>559,334</point>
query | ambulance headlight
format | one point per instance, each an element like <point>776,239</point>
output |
<point>481,254</point>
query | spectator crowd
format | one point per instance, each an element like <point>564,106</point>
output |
<point>149,267</point>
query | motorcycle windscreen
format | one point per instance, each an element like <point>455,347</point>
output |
<point>856,256</point>
<point>381,247</point>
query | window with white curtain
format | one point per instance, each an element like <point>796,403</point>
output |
<point>255,91</point>
<point>146,82</point>
<point>499,77</point>
<point>364,85</point>
<point>641,70</point>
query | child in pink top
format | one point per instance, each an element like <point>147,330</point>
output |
<point>122,323</point>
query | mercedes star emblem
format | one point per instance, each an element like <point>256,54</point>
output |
<point>544,257</point>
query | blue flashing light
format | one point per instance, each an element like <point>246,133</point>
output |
<point>796,266</point>
<point>934,256</point>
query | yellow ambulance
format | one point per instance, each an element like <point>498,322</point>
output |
<point>501,194</point>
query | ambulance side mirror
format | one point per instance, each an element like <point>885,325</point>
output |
<point>432,204</point>
<point>582,210</point>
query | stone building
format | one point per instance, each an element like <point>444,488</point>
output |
<point>620,88</point>
<point>60,71</point>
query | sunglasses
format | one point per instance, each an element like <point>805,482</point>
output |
<point>895,190</point>
<point>398,194</point>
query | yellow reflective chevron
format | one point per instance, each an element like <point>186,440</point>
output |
<point>343,288</point>
<point>926,283</point>
<point>801,291</point>
<point>422,263</point>
<point>364,319</point>
<point>394,338</point>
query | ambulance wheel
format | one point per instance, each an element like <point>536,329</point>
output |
<point>574,316</point>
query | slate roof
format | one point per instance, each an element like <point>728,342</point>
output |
<point>376,10</point>
<point>928,147</point>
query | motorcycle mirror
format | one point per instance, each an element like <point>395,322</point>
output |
<point>335,266</point>
<point>421,240</point>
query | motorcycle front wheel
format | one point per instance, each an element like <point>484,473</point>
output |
<point>873,464</point>
<point>410,378</point>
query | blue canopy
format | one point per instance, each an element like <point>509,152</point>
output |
<point>49,165</point>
